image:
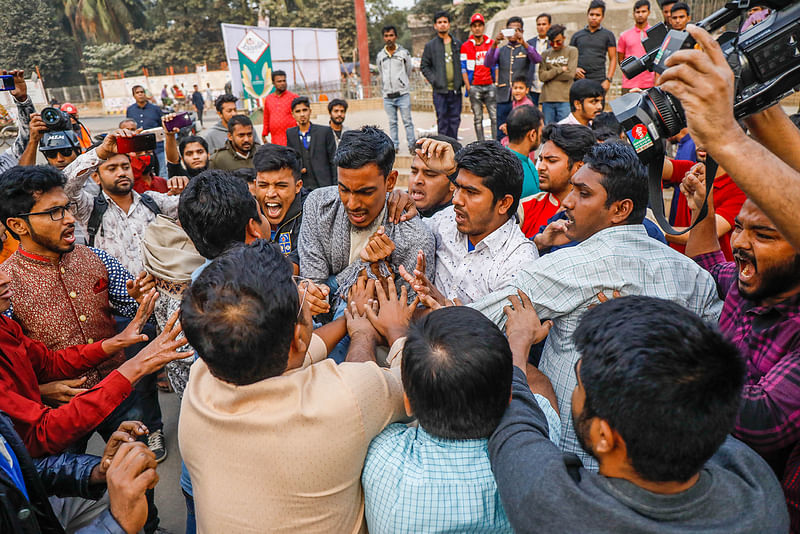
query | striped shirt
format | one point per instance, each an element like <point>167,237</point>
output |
<point>564,283</point>
<point>416,482</point>
<point>769,339</point>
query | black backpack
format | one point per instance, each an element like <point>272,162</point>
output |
<point>100,207</point>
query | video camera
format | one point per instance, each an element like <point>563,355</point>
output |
<point>60,133</point>
<point>765,60</point>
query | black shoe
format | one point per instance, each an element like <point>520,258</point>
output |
<point>155,442</point>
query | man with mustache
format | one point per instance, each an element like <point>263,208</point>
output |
<point>604,210</point>
<point>479,245</point>
<point>761,316</point>
<point>239,148</point>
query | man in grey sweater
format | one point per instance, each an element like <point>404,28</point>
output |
<point>658,392</point>
<point>347,228</point>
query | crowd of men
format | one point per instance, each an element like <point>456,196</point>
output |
<point>507,346</point>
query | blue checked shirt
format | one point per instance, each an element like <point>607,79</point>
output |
<point>564,283</point>
<point>415,482</point>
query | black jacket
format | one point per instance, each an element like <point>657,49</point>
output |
<point>64,475</point>
<point>288,231</point>
<point>433,67</point>
<point>318,159</point>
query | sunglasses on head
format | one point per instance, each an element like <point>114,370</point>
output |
<point>53,154</point>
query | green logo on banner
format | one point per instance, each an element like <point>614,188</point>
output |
<point>255,62</point>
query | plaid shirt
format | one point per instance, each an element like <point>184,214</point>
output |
<point>415,482</point>
<point>769,338</point>
<point>564,283</point>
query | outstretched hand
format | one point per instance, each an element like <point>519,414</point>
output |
<point>524,328</point>
<point>394,313</point>
<point>420,283</point>
<point>133,332</point>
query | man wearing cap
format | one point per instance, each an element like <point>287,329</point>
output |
<point>478,78</point>
<point>83,134</point>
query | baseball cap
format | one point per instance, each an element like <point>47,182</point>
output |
<point>477,17</point>
<point>69,108</point>
<point>58,140</point>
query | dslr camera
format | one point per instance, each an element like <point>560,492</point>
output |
<point>56,120</point>
<point>765,60</point>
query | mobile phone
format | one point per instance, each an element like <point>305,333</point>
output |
<point>181,120</point>
<point>158,132</point>
<point>508,32</point>
<point>7,82</point>
<point>137,143</point>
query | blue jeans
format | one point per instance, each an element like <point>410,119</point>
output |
<point>403,104</point>
<point>534,97</point>
<point>554,111</point>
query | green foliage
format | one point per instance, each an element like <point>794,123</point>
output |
<point>33,36</point>
<point>109,57</point>
<point>101,21</point>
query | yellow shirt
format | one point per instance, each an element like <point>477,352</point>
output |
<point>285,454</point>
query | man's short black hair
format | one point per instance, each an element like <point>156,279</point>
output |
<point>270,157</point>
<point>296,101</point>
<point>575,140</point>
<point>21,186</point>
<point>137,86</point>
<point>583,89</point>
<point>641,3</point>
<point>680,6</point>
<point>238,120</point>
<point>248,174</point>
<point>446,138</point>
<point>522,120</point>
<point>222,99</point>
<point>514,19</point>
<point>457,370</point>
<point>595,4</point>
<point>126,119</point>
<point>276,73</point>
<point>214,211</point>
<point>241,320</point>
<point>391,28</point>
<point>440,14</point>
<point>337,102</point>
<point>191,139</point>
<point>667,3</point>
<point>663,378</point>
<point>554,31</point>
<point>500,170</point>
<point>624,176</point>
<point>545,15</point>
<point>606,126</point>
<point>370,144</point>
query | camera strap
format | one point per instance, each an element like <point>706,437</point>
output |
<point>656,194</point>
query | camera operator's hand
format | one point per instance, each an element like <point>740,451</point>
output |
<point>109,145</point>
<point>37,128</point>
<point>131,473</point>
<point>176,185</point>
<point>703,81</point>
<point>20,91</point>
<point>165,119</point>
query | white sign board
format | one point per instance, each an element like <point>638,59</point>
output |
<point>309,56</point>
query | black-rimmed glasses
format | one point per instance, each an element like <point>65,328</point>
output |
<point>56,213</point>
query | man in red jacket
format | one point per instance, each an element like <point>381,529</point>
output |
<point>278,110</point>
<point>24,363</point>
<point>478,78</point>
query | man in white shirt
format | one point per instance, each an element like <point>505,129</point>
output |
<point>479,245</point>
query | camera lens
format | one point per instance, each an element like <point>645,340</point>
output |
<point>55,119</point>
<point>668,110</point>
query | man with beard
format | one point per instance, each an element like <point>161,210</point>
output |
<point>656,394</point>
<point>337,110</point>
<point>125,215</point>
<point>604,211</point>
<point>761,316</point>
<point>238,150</point>
<point>479,246</point>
